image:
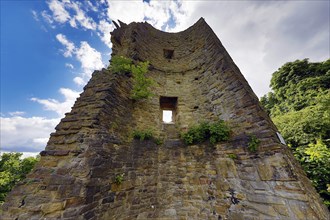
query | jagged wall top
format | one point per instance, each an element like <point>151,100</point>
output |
<point>141,41</point>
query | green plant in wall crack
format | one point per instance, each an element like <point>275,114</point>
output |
<point>158,141</point>
<point>120,64</point>
<point>147,135</point>
<point>143,134</point>
<point>219,131</point>
<point>253,143</point>
<point>141,84</point>
<point>232,156</point>
<point>119,178</point>
<point>212,131</point>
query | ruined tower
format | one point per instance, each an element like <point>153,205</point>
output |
<point>196,80</point>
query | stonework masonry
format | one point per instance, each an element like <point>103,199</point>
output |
<point>93,144</point>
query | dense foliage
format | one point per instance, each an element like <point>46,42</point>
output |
<point>300,107</point>
<point>214,132</point>
<point>12,170</point>
<point>120,64</point>
<point>141,84</point>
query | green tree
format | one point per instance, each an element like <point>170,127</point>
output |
<point>300,108</point>
<point>12,170</point>
<point>297,85</point>
<point>315,160</point>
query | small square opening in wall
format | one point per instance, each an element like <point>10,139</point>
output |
<point>167,116</point>
<point>168,54</point>
<point>168,107</point>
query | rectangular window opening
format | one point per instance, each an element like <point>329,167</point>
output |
<point>168,54</point>
<point>167,116</point>
<point>168,107</point>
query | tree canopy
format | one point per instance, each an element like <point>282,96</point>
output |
<point>300,108</point>
<point>12,170</point>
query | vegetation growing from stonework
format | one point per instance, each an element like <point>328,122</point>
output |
<point>119,178</point>
<point>300,107</point>
<point>142,134</point>
<point>141,84</point>
<point>146,135</point>
<point>212,131</point>
<point>12,170</point>
<point>232,156</point>
<point>120,64</point>
<point>253,143</point>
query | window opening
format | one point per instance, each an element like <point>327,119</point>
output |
<point>168,54</point>
<point>167,116</point>
<point>168,107</point>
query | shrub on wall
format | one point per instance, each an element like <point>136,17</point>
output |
<point>142,134</point>
<point>141,83</point>
<point>253,143</point>
<point>147,135</point>
<point>214,132</point>
<point>120,64</point>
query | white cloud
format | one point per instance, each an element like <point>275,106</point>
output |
<point>29,154</point>
<point>69,46</point>
<point>25,134</point>
<point>79,81</point>
<point>105,28</point>
<point>35,15</point>
<point>89,57</point>
<point>126,11</point>
<point>71,12</point>
<point>16,113</point>
<point>69,65</point>
<point>81,18</point>
<point>31,134</point>
<point>47,18</point>
<point>60,14</point>
<point>42,141</point>
<point>92,7</point>
<point>60,108</point>
<point>157,13</point>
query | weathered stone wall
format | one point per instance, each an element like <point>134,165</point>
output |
<point>75,178</point>
<point>64,182</point>
<point>201,74</point>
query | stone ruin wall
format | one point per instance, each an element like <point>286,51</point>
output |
<point>93,144</point>
<point>201,74</point>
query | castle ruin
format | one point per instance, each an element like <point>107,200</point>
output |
<point>196,80</point>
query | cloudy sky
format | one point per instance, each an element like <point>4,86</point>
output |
<point>50,48</point>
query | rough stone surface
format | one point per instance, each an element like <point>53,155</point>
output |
<point>75,178</point>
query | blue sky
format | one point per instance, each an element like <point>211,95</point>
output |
<point>50,48</point>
